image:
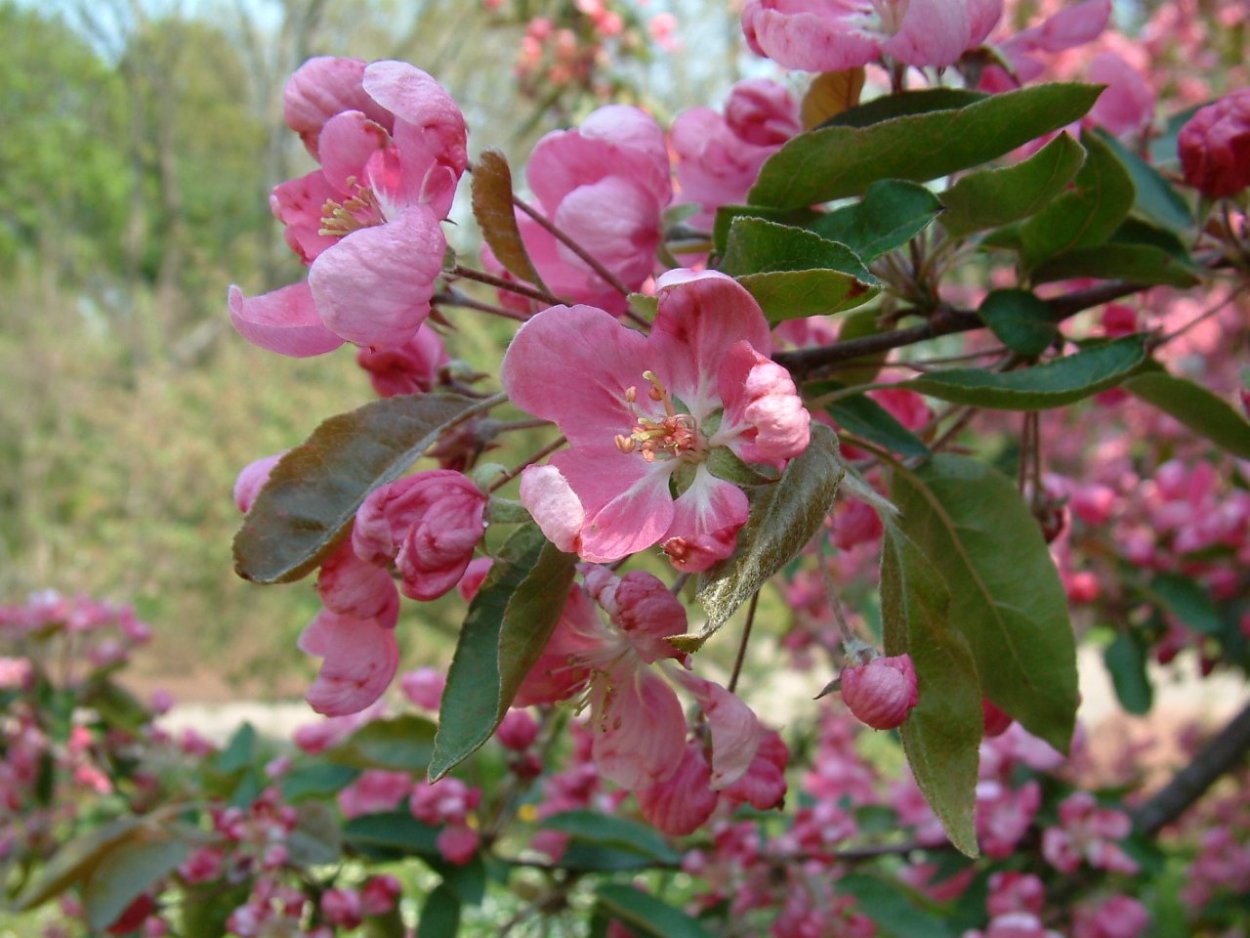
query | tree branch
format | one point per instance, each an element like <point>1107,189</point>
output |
<point>1222,753</point>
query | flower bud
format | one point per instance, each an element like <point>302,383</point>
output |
<point>996,719</point>
<point>1215,146</point>
<point>882,692</point>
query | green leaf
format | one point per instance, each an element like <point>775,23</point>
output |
<point>891,213</point>
<point>467,881</point>
<point>645,914</point>
<point>239,753</point>
<point>1006,597</point>
<point>1021,321</point>
<point>440,914</point>
<point>1196,407</point>
<point>861,415</point>
<point>318,780</point>
<point>127,871</point>
<point>894,909</point>
<point>74,860</point>
<point>615,832</point>
<point>496,216</point>
<point>906,103</point>
<point>793,273</point>
<point>401,744</point>
<point>394,833</point>
<point>727,214</point>
<point>942,735</point>
<point>1136,263</point>
<point>315,490</point>
<point>1156,199</point>
<point>1053,384</point>
<point>508,624</point>
<point>117,707</point>
<point>991,198</point>
<point>1084,216</point>
<point>783,519</point>
<point>316,839</point>
<point>1188,600</point>
<point>839,161</point>
<point>1125,659</point>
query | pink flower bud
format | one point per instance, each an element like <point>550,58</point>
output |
<point>996,720</point>
<point>379,894</point>
<point>1215,146</point>
<point>411,368</point>
<point>882,692</point>
<point>517,731</point>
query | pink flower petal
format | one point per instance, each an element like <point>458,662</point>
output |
<point>706,519</point>
<point>300,204</point>
<point>623,240</point>
<point>348,141</point>
<point>322,87</point>
<point>932,33</point>
<point>554,506</point>
<point>640,730</point>
<point>374,286</point>
<point>283,321</point>
<point>252,479</point>
<point>361,658</point>
<point>680,804</point>
<point>765,420</point>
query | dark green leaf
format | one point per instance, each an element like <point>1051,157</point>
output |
<point>387,925</point>
<point>1006,597</point>
<point>1135,231</point>
<point>1163,148</point>
<point>839,161</point>
<point>1196,407</point>
<point>861,415</point>
<point>402,744</point>
<point>1188,600</point>
<point>1053,384</point>
<point>506,630</point>
<point>127,871</point>
<point>894,909</point>
<point>318,780</point>
<point>315,839</point>
<point>594,858</point>
<point>496,217</point>
<point>117,707</point>
<point>727,214</point>
<point>467,881</point>
<point>440,914</point>
<point>793,272</point>
<point>611,831</point>
<point>314,492</point>
<point>646,914</point>
<point>891,214</point>
<point>1125,659</point>
<point>901,105</point>
<point>1021,321</point>
<point>1136,263</point>
<point>239,753</point>
<point>1085,216</point>
<point>942,735</point>
<point>991,198</point>
<point>74,860</point>
<point>397,833</point>
<point>1156,199</point>
<point>783,519</point>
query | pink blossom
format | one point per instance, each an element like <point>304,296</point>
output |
<point>682,802</point>
<point>411,368</point>
<point>1127,104</point>
<point>342,907</point>
<point>517,731</point>
<point>828,37</point>
<point>353,587</point>
<point>882,692</point>
<point>1116,917</point>
<point>1072,26</point>
<point>1087,832</point>
<point>1215,146</point>
<point>323,87</point>
<point>424,687</point>
<point>252,479</point>
<point>379,894</point>
<point>360,659</point>
<point>429,524</point>
<point>1011,891</point>
<point>719,157</point>
<point>616,157</point>
<point>1004,815</point>
<point>367,222</point>
<point>374,791</point>
<point>646,419</point>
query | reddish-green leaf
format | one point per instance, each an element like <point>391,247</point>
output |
<point>783,518</point>
<point>509,622</point>
<point>128,870</point>
<point>496,217</point>
<point>316,489</point>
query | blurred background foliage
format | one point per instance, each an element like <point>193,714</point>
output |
<point>140,140</point>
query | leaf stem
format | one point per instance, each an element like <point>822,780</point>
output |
<point>468,273</point>
<point>742,646</point>
<point>513,473</point>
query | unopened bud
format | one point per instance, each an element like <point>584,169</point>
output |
<point>882,692</point>
<point>996,719</point>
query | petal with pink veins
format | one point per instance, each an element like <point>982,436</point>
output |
<point>554,506</point>
<point>932,33</point>
<point>640,730</point>
<point>285,321</point>
<point>706,519</point>
<point>765,420</point>
<point>300,205</point>
<point>348,141</point>
<point>361,658</point>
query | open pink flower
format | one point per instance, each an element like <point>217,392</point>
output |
<point>831,36</point>
<point>616,160</point>
<point>719,157</point>
<point>648,413</point>
<point>368,221</point>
